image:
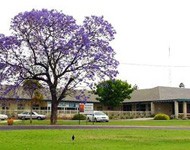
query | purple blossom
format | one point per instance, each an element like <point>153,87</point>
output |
<point>82,96</point>
<point>8,42</point>
<point>51,47</point>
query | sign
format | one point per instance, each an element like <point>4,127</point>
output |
<point>88,108</point>
<point>81,107</point>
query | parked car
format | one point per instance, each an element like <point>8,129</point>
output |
<point>35,115</point>
<point>98,116</point>
<point>3,117</point>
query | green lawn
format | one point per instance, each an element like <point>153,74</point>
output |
<point>99,139</point>
<point>112,122</point>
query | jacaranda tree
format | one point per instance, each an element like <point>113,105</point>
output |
<point>49,46</point>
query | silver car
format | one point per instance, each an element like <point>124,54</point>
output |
<point>98,116</point>
<point>3,117</point>
<point>35,115</point>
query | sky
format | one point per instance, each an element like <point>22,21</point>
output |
<point>152,42</point>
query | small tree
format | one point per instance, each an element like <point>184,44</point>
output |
<point>113,92</point>
<point>32,89</point>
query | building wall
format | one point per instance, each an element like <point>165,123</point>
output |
<point>166,108</point>
<point>98,106</point>
<point>23,105</point>
<point>18,105</point>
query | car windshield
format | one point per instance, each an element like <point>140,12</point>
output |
<point>99,113</point>
<point>25,113</point>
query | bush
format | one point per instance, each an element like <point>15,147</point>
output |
<point>161,117</point>
<point>67,117</point>
<point>79,117</point>
<point>10,121</point>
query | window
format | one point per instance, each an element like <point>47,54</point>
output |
<point>20,106</point>
<point>43,108</point>
<point>99,108</point>
<point>5,106</point>
<point>127,107</point>
<point>35,107</point>
<point>180,107</point>
<point>72,105</point>
<point>141,107</point>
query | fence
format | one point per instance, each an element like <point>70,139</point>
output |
<point>69,113</point>
<point>128,114</point>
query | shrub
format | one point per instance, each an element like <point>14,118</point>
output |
<point>122,117</point>
<point>67,117</point>
<point>79,117</point>
<point>10,121</point>
<point>161,117</point>
<point>111,117</point>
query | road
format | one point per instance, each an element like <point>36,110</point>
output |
<point>30,127</point>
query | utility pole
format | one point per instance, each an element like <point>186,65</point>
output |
<point>169,68</point>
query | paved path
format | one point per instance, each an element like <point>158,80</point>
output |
<point>30,127</point>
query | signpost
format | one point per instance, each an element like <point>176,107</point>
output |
<point>81,110</point>
<point>86,109</point>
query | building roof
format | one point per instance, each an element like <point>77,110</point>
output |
<point>21,94</point>
<point>159,93</point>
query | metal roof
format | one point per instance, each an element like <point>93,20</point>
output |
<point>160,93</point>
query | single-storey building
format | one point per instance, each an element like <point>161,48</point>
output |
<point>168,100</point>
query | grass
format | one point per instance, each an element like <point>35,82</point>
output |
<point>101,139</point>
<point>112,122</point>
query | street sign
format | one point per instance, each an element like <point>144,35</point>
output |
<point>88,108</point>
<point>81,107</point>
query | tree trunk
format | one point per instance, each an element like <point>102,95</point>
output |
<point>53,119</point>
<point>31,114</point>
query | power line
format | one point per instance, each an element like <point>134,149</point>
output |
<point>152,65</point>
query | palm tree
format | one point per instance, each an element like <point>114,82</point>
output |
<point>32,88</point>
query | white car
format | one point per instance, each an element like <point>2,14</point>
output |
<point>35,115</point>
<point>3,117</point>
<point>98,116</point>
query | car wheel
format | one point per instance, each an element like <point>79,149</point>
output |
<point>39,118</point>
<point>23,118</point>
<point>88,119</point>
